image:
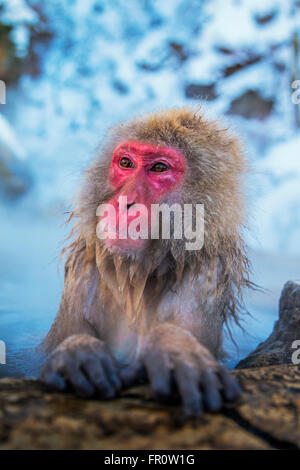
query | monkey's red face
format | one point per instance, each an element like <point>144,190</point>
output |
<point>142,175</point>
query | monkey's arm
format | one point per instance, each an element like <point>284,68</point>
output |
<point>78,359</point>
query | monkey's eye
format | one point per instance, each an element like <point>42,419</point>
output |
<point>159,167</point>
<point>125,162</point>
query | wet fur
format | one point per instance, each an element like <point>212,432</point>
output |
<point>118,298</point>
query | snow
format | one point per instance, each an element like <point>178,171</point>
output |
<point>17,11</point>
<point>279,203</point>
<point>10,140</point>
<point>18,14</point>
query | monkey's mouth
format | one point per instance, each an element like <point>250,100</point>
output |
<point>128,245</point>
<point>114,241</point>
<point>119,239</point>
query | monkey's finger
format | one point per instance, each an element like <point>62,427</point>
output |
<point>78,381</point>
<point>159,375</point>
<point>111,371</point>
<point>231,388</point>
<point>53,380</point>
<point>131,375</point>
<point>187,380</point>
<point>211,395</point>
<point>97,376</point>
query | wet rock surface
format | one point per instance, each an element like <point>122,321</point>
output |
<point>266,417</point>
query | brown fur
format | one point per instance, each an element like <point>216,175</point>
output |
<point>199,290</point>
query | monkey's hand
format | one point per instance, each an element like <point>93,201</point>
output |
<point>172,354</point>
<point>83,364</point>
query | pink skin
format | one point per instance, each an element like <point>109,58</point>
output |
<point>141,184</point>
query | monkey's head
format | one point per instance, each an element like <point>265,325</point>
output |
<point>141,174</point>
<point>172,156</point>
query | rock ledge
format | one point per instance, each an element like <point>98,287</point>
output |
<point>265,418</point>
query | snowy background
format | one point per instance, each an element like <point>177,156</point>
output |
<point>73,68</point>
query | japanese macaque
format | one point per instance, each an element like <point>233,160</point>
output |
<point>137,309</point>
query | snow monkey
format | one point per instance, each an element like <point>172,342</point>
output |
<point>139,308</point>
